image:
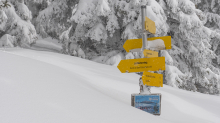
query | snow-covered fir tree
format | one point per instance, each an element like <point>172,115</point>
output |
<point>212,12</point>
<point>16,22</point>
<point>53,19</point>
<point>191,50</point>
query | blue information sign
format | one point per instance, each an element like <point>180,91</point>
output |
<point>148,103</point>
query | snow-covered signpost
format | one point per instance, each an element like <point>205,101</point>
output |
<point>145,100</point>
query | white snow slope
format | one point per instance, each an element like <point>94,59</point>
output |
<point>46,87</point>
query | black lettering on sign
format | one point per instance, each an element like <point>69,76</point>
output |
<point>150,76</point>
<point>140,63</point>
<point>140,67</point>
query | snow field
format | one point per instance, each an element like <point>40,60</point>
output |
<point>39,86</point>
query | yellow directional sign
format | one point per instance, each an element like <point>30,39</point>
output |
<point>132,44</point>
<point>150,25</point>
<point>137,43</point>
<point>140,65</point>
<point>152,79</point>
<point>150,54</point>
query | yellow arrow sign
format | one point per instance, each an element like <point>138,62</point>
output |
<point>140,65</point>
<point>132,44</point>
<point>150,25</point>
<point>152,79</point>
<point>150,54</point>
<point>152,42</point>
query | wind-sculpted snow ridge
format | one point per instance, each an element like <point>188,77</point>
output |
<point>111,58</point>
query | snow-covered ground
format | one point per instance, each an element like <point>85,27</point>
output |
<point>47,44</point>
<point>47,87</point>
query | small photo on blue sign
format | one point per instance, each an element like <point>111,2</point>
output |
<point>148,103</point>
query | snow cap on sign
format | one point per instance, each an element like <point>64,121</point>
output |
<point>156,44</point>
<point>150,14</point>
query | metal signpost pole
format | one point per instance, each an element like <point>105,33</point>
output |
<point>144,34</point>
<point>144,89</point>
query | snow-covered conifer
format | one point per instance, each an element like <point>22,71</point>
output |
<point>17,26</point>
<point>192,39</point>
<point>212,12</point>
<point>54,18</point>
<point>3,19</point>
